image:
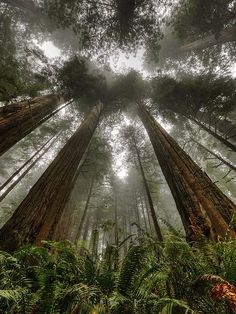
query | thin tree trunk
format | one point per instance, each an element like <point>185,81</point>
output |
<point>225,162</point>
<point>204,209</point>
<point>8,190</point>
<point>144,216</point>
<point>85,210</point>
<point>137,216</point>
<point>148,214</point>
<point>86,229</point>
<point>224,126</point>
<point>226,35</point>
<point>217,136</point>
<point>24,165</point>
<point>37,216</point>
<point>18,120</point>
<point>153,213</point>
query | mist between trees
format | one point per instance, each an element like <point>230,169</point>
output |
<point>117,186</point>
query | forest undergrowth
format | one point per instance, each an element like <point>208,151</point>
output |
<point>169,277</point>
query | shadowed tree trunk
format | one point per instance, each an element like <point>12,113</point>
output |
<point>24,173</point>
<point>37,216</point>
<point>18,120</point>
<point>149,197</point>
<point>217,136</point>
<point>226,35</point>
<point>203,208</point>
<point>225,162</point>
<point>64,227</point>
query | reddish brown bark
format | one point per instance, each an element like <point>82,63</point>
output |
<point>18,120</point>
<point>37,216</point>
<point>226,35</point>
<point>203,208</point>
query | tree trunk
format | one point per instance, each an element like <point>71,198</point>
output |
<point>18,120</point>
<point>217,136</point>
<point>8,190</point>
<point>81,224</point>
<point>225,162</point>
<point>24,165</point>
<point>226,35</point>
<point>224,126</point>
<point>203,208</point>
<point>65,224</point>
<point>151,206</point>
<point>37,216</point>
<point>144,216</point>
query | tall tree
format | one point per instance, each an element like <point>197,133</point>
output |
<point>130,132</point>
<point>37,216</point>
<point>204,209</point>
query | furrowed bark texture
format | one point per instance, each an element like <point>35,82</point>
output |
<point>18,120</point>
<point>37,216</point>
<point>226,35</point>
<point>203,208</point>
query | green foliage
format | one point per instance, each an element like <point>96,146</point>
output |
<point>197,18</point>
<point>152,278</point>
<point>80,80</point>
<point>189,94</point>
<point>105,25</point>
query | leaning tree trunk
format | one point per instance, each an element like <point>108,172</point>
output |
<point>18,120</point>
<point>27,170</point>
<point>223,161</point>
<point>226,127</point>
<point>226,35</point>
<point>150,202</point>
<point>36,217</point>
<point>85,212</point>
<point>14,175</point>
<point>215,135</point>
<point>203,208</point>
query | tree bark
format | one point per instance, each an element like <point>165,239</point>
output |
<point>18,120</point>
<point>151,206</point>
<point>203,208</point>
<point>8,190</point>
<point>226,35</point>
<point>37,216</point>
<point>217,136</point>
<point>225,162</point>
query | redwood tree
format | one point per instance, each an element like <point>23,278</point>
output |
<point>203,208</point>
<point>38,214</point>
<point>18,120</point>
